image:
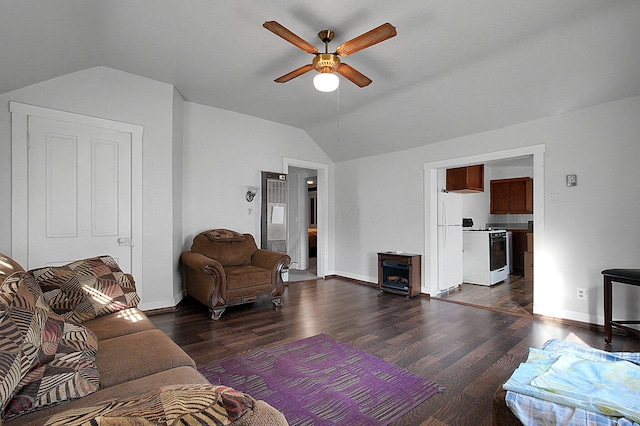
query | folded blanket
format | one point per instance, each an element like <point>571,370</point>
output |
<point>578,376</point>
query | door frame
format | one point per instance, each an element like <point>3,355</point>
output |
<point>298,236</point>
<point>323,207</point>
<point>430,187</point>
<point>20,114</point>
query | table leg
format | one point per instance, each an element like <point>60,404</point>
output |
<point>608,308</point>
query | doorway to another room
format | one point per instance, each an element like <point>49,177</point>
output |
<point>307,236</point>
<point>512,290</point>
<point>515,294</point>
<point>310,210</point>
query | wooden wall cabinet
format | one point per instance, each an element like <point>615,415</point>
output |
<point>466,179</point>
<point>512,196</point>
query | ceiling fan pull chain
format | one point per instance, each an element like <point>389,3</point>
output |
<point>338,115</point>
<point>338,110</point>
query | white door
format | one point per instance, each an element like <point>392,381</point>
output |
<point>79,193</point>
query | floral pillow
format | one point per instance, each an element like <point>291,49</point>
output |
<point>45,359</point>
<point>23,314</point>
<point>86,289</point>
<point>8,266</point>
<point>193,404</point>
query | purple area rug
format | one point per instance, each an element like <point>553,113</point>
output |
<point>320,381</point>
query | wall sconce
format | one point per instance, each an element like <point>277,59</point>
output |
<point>251,193</point>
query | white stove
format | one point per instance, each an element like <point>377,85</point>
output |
<point>484,256</point>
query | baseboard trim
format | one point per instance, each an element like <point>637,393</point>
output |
<point>157,311</point>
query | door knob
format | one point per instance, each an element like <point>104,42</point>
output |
<point>125,242</point>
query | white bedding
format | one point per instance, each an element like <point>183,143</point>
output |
<point>567,383</point>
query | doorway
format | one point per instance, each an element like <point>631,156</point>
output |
<point>308,212</point>
<point>304,231</point>
<point>483,297</point>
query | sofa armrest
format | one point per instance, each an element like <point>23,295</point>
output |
<point>274,262</point>
<point>205,279</point>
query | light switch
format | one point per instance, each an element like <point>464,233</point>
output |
<point>572,180</point>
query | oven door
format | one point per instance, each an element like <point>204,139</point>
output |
<point>497,251</point>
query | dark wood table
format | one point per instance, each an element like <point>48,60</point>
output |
<point>624,276</point>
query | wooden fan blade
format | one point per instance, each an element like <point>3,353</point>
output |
<point>375,36</point>
<point>281,31</point>
<point>295,73</point>
<point>353,75</point>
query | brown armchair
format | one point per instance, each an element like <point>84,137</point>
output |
<point>226,268</point>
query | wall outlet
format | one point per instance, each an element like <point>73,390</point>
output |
<point>582,294</point>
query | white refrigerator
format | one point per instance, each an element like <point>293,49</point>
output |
<point>449,240</point>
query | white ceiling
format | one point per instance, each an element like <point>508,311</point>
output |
<point>456,67</point>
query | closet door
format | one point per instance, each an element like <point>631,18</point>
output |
<point>79,193</point>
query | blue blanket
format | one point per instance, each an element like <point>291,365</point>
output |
<point>578,381</point>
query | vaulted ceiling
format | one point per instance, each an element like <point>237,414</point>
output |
<point>456,67</point>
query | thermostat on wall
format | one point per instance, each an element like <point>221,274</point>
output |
<point>572,180</point>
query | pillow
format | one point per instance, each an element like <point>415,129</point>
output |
<point>224,235</point>
<point>86,289</point>
<point>57,357</point>
<point>8,266</point>
<point>176,404</point>
<point>65,369</point>
<point>23,314</point>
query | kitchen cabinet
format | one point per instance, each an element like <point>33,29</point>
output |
<point>518,248</point>
<point>512,196</point>
<point>466,179</point>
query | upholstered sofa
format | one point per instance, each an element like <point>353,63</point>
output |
<point>226,268</point>
<point>75,349</point>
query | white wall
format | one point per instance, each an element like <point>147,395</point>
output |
<point>378,207</point>
<point>588,228</point>
<point>378,203</point>
<point>224,152</point>
<point>197,162</point>
<point>115,95</point>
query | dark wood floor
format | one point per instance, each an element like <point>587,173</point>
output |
<point>470,351</point>
<point>513,295</point>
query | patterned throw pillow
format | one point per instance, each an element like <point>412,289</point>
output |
<point>86,289</point>
<point>8,266</point>
<point>178,404</point>
<point>57,357</point>
<point>224,235</point>
<point>23,314</point>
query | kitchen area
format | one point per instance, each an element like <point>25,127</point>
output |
<point>485,235</point>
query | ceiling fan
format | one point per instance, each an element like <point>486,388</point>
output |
<point>327,63</point>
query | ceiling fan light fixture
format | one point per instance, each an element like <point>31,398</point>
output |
<point>326,82</point>
<point>328,63</point>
